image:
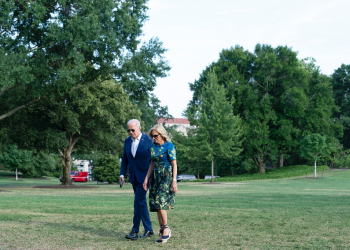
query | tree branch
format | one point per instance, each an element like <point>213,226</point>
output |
<point>14,86</point>
<point>60,152</point>
<point>36,100</point>
<point>19,108</point>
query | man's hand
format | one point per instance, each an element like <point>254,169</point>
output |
<point>121,181</point>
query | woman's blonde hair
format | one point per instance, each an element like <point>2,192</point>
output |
<point>161,130</point>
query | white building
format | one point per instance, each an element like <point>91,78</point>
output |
<point>181,124</point>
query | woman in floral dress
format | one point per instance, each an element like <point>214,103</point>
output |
<point>163,186</point>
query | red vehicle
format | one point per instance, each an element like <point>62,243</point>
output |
<point>77,176</point>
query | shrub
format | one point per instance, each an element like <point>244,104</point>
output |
<point>107,169</point>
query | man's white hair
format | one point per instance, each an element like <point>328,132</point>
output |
<point>134,121</point>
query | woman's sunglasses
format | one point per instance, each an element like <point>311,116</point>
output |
<point>154,136</point>
<point>131,130</point>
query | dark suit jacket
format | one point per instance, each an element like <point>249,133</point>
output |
<point>138,165</point>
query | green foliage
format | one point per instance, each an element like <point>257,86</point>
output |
<point>186,158</point>
<point>53,47</point>
<point>88,119</point>
<point>313,147</point>
<point>29,163</point>
<point>279,98</point>
<point>337,155</point>
<point>46,164</point>
<point>17,159</point>
<point>218,132</point>
<point>341,93</point>
<point>151,111</point>
<point>277,173</point>
<point>107,169</point>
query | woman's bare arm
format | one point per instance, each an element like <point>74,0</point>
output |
<point>150,169</point>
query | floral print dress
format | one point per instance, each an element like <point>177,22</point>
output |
<point>161,195</point>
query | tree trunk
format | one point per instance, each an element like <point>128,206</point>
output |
<point>261,167</point>
<point>67,161</point>
<point>16,174</point>
<point>260,163</point>
<point>281,160</point>
<point>212,170</point>
<point>315,175</point>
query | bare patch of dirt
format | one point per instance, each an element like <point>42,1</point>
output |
<point>65,187</point>
<point>2,190</point>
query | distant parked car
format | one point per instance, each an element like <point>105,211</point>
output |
<point>186,177</point>
<point>90,177</point>
<point>209,176</point>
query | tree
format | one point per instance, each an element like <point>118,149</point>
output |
<point>219,131</point>
<point>89,119</point>
<point>341,92</point>
<point>51,48</point>
<point>16,160</point>
<point>279,98</point>
<point>313,147</point>
<point>151,111</point>
<point>107,169</point>
<point>186,153</point>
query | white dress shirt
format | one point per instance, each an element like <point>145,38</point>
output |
<point>135,144</point>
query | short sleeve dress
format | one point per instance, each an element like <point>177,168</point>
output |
<point>161,195</point>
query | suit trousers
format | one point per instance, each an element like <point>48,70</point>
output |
<point>140,208</point>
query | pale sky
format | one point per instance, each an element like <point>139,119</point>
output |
<point>196,31</point>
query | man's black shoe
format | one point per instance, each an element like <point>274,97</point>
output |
<point>147,234</point>
<point>132,235</point>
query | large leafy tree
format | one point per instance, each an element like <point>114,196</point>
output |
<point>87,119</point>
<point>50,48</point>
<point>341,93</point>
<point>219,131</point>
<point>279,98</point>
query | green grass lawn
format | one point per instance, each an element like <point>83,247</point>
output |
<point>294,213</point>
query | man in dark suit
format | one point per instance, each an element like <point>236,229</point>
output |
<point>137,156</point>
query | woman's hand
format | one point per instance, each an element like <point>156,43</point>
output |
<point>174,186</point>
<point>145,184</point>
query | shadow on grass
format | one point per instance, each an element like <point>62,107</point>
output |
<point>65,187</point>
<point>30,219</point>
<point>88,230</point>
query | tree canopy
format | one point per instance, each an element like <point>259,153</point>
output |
<point>50,48</point>
<point>341,93</point>
<point>279,98</point>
